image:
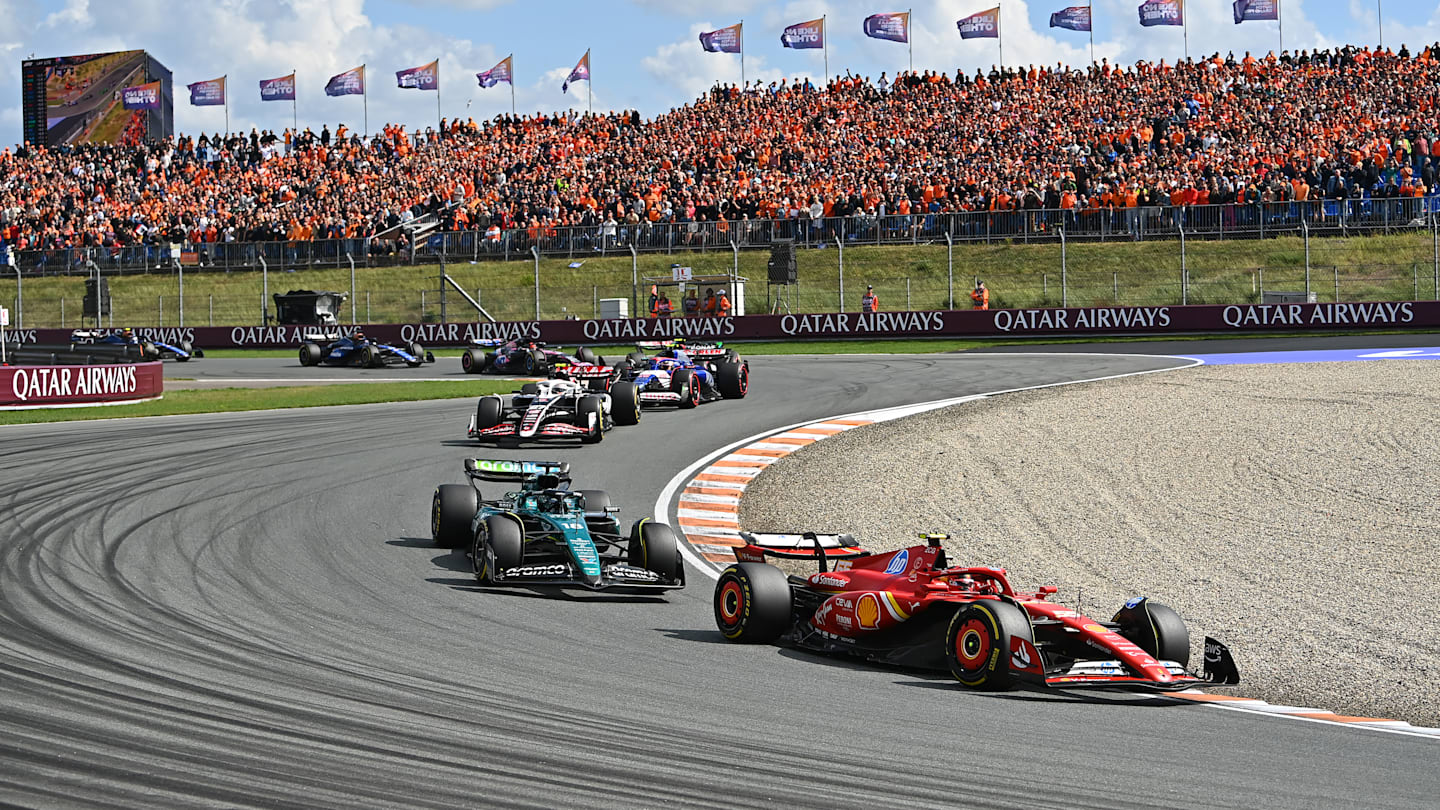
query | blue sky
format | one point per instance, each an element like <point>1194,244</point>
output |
<point>645,53</point>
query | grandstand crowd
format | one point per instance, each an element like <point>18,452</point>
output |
<point>1336,124</point>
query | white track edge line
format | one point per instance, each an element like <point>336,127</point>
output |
<point>667,498</point>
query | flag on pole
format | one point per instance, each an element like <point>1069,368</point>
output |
<point>278,89</point>
<point>207,94</point>
<point>425,77</point>
<point>982,25</point>
<point>581,71</point>
<point>499,73</point>
<point>1162,12</point>
<point>141,96</point>
<point>349,83</point>
<point>893,26</point>
<point>725,40</point>
<point>804,35</point>
<point>1075,18</point>
<point>1248,10</point>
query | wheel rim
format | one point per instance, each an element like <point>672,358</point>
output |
<point>435,516</point>
<point>744,381</point>
<point>466,362</point>
<point>731,604</point>
<point>972,645</point>
<point>480,561</point>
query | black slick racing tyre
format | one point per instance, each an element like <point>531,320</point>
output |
<point>1156,629</point>
<point>310,354</point>
<point>365,357</point>
<point>637,359</point>
<point>752,603</point>
<point>683,382</point>
<point>625,403</point>
<point>148,351</point>
<point>187,350</point>
<point>733,379</point>
<point>451,510</point>
<point>654,547</point>
<point>489,411</point>
<point>530,388</point>
<point>595,500</point>
<point>473,361</point>
<point>414,350</point>
<point>498,547</point>
<point>532,363</point>
<point>977,644</point>
<point>586,408</point>
<point>585,354</point>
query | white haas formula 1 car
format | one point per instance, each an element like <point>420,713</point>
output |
<point>555,409</point>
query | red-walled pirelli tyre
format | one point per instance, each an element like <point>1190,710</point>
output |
<point>733,379</point>
<point>752,603</point>
<point>451,511</point>
<point>1156,629</point>
<point>977,643</point>
<point>472,361</point>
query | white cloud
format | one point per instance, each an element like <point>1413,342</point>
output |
<point>685,67</point>
<point>76,12</point>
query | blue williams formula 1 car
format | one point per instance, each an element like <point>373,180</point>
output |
<point>359,351</point>
<point>149,349</point>
<point>545,533</point>
<point>676,378</point>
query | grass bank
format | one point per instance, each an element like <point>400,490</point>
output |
<point>1385,267</point>
<point>223,400</point>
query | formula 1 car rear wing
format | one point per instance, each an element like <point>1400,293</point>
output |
<point>804,546</point>
<point>521,471</point>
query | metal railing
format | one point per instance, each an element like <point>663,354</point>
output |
<point>1025,226</point>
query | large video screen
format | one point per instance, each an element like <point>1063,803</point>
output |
<point>76,99</point>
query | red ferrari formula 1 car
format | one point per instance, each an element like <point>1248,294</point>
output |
<point>910,608</point>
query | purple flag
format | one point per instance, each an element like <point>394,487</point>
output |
<point>425,77</point>
<point>729,39</point>
<point>1162,12</point>
<point>1247,10</point>
<point>349,83</point>
<point>805,35</point>
<point>499,73</point>
<point>581,71</point>
<point>207,94</point>
<point>279,89</point>
<point>141,96</point>
<point>983,25</point>
<point>894,26</point>
<point>1075,18</point>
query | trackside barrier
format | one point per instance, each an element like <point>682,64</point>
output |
<point>60,386</point>
<point>1073,321</point>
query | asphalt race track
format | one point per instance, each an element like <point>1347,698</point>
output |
<point>244,610</point>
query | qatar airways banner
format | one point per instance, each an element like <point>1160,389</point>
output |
<point>48,386</point>
<point>1096,321</point>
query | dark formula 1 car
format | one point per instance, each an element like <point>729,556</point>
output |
<point>555,409</point>
<point>359,351</point>
<point>700,352</point>
<point>530,358</point>
<point>910,608</point>
<point>675,378</point>
<point>544,533</point>
<point>149,349</point>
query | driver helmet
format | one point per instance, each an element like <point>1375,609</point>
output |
<point>359,334</point>
<point>127,333</point>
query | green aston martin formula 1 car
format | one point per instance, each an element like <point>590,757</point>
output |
<point>545,533</point>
